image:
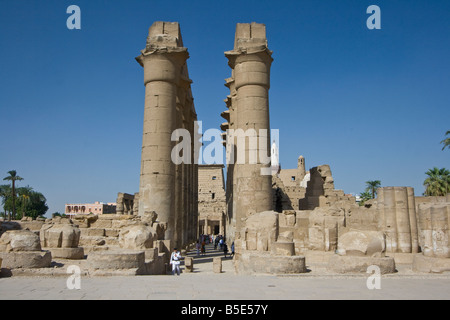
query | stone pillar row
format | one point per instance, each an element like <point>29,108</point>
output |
<point>166,188</point>
<point>398,215</point>
<point>250,61</point>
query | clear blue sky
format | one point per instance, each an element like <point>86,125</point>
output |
<point>374,104</point>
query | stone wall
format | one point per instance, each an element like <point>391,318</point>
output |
<point>434,235</point>
<point>320,190</point>
<point>261,248</point>
<point>211,199</point>
<point>286,197</point>
<point>290,193</point>
<point>127,204</point>
<point>434,226</point>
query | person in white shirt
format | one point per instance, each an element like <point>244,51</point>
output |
<point>175,261</point>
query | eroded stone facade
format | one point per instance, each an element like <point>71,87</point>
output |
<point>211,199</point>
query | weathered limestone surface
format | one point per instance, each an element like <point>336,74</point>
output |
<point>125,204</point>
<point>320,190</point>
<point>61,237</point>
<point>19,240</point>
<point>362,243</point>
<point>283,248</point>
<point>250,263</point>
<point>323,228</point>
<point>217,265</point>
<point>434,225</point>
<point>189,264</point>
<point>434,236</point>
<point>355,264</point>
<point>84,221</point>
<point>22,249</point>
<point>117,260</point>
<point>26,259</point>
<point>211,199</point>
<point>260,248</point>
<point>259,233</point>
<point>286,197</point>
<point>422,263</point>
<point>137,237</point>
<point>30,224</point>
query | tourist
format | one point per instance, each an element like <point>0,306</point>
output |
<point>232,249</point>
<point>225,249</point>
<point>216,242</point>
<point>203,248</point>
<point>175,261</point>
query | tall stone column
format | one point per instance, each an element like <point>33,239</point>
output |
<point>162,60</point>
<point>413,221</point>
<point>230,116</point>
<point>251,61</point>
<point>178,186</point>
<point>193,217</point>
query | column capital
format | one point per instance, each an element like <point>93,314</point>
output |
<point>163,64</point>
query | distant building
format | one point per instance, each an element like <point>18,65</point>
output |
<point>211,199</point>
<point>87,208</point>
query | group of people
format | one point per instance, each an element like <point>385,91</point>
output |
<point>219,241</point>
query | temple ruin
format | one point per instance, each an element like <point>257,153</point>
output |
<point>286,221</point>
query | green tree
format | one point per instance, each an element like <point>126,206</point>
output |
<point>446,141</point>
<point>372,186</point>
<point>58,214</point>
<point>437,183</point>
<point>364,197</point>
<point>13,177</point>
<point>31,203</point>
<point>38,205</point>
<point>24,199</point>
<point>5,194</point>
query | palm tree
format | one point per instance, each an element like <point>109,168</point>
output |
<point>24,195</point>
<point>372,186</point>
<point>13,177</point>
<point>446,141</point>
<point>364,196</point>
<point>437,183</point>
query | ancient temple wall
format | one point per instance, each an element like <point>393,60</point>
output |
<point>434,225</point>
